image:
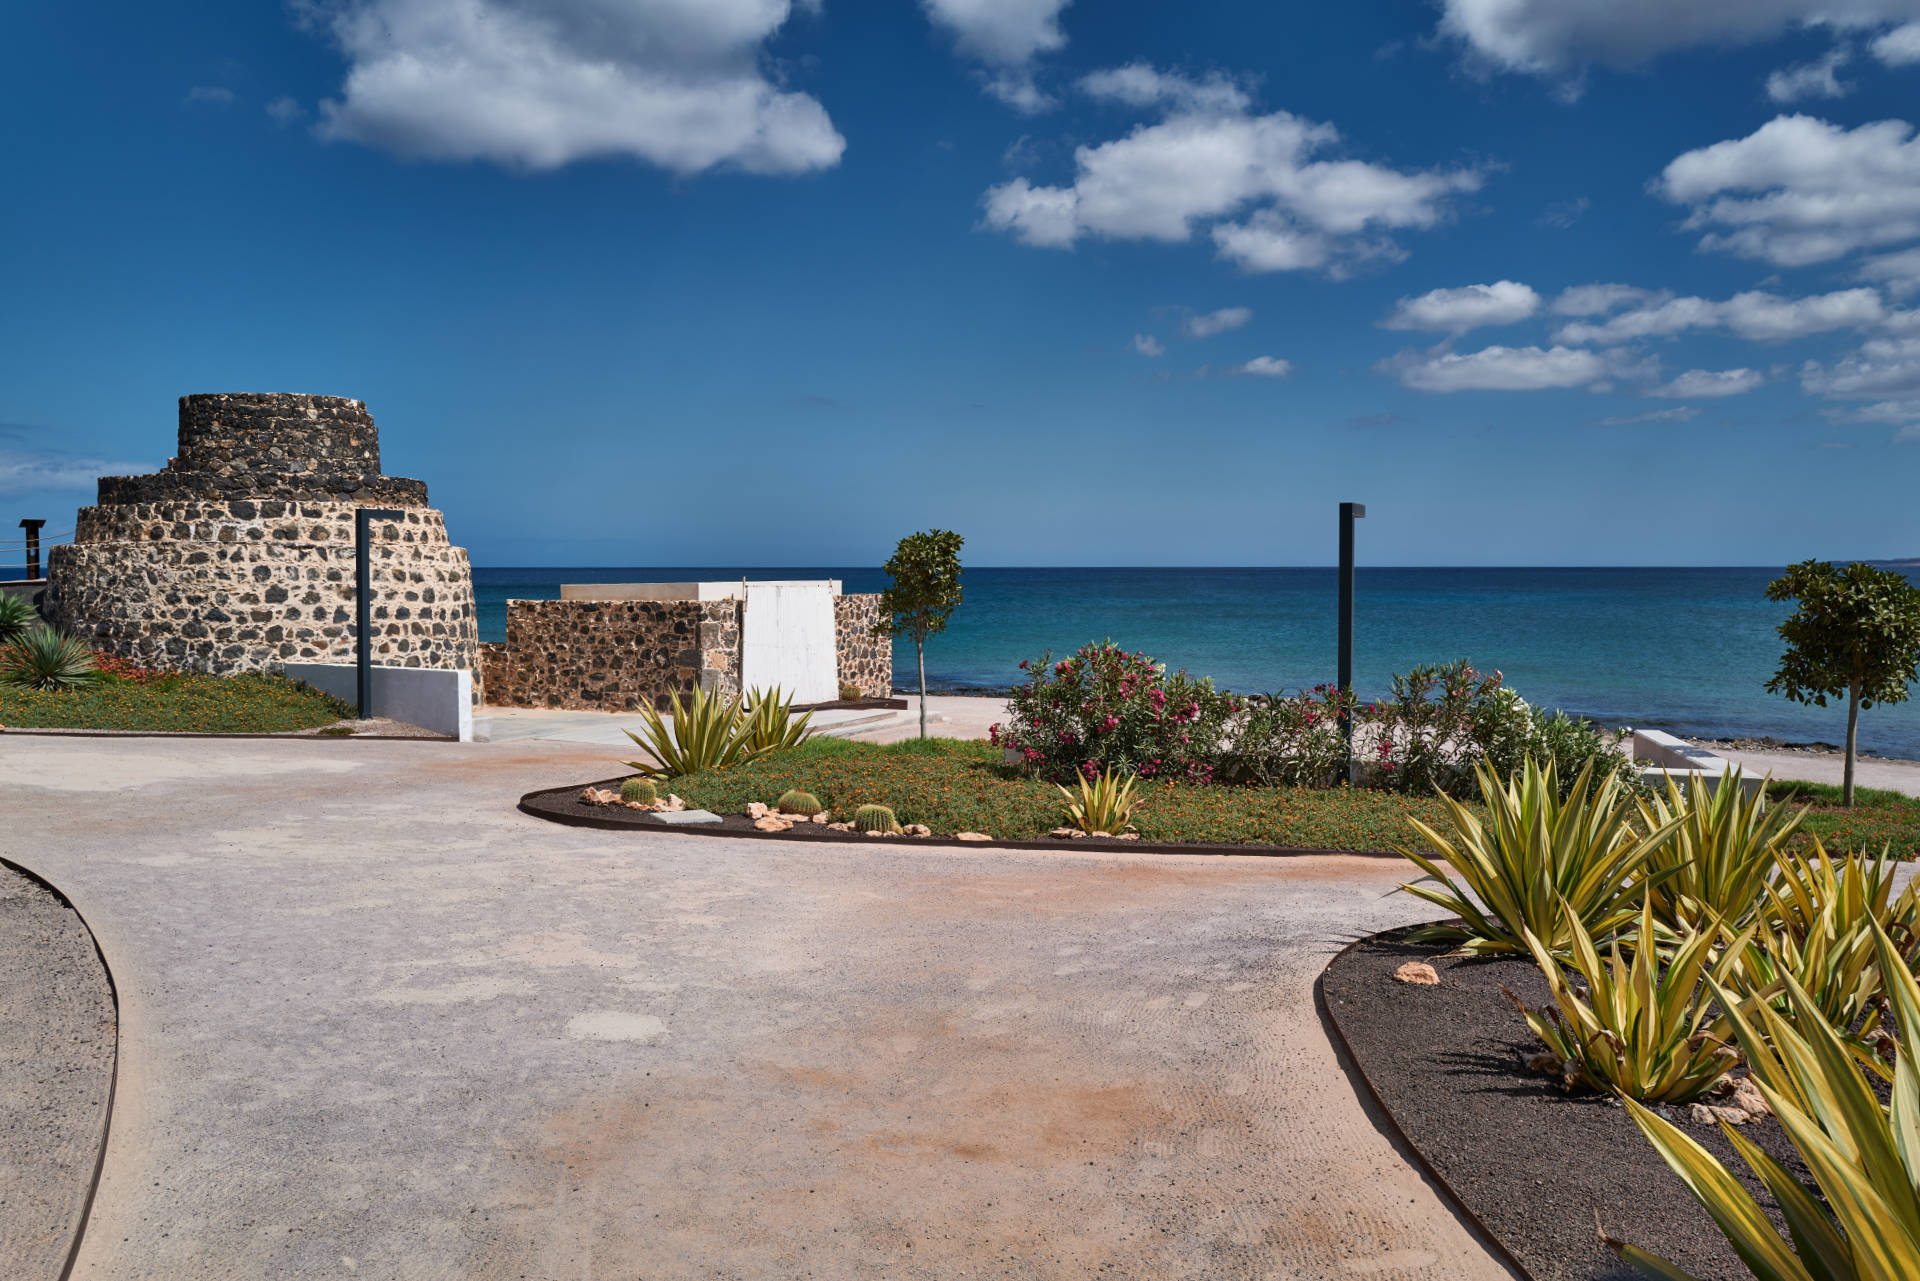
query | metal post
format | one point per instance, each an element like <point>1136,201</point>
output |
<point>1349,512</point>
<point>33,546</point>
<point>363,519</point>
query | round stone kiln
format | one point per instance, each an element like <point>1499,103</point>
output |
<point>239,556</point>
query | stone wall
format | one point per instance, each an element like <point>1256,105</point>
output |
<point>622,655</point>
<point>239,556</point>
<point>866,660</point>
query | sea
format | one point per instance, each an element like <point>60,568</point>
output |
<point>1684,650</point>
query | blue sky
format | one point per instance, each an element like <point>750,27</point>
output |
<point>681,282</point>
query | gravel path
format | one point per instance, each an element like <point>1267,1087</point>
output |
<point>377,1023</point>
<point>56,1070</point>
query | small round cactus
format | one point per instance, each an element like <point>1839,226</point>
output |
<point>798,802</point>
<point>639,789</point>
<point>875,818</point>
<point>850,693</point>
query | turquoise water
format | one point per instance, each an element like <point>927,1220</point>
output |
<point>1688,650</point>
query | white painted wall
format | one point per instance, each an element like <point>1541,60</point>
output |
<point>787,640</point>
<point>435,698</point>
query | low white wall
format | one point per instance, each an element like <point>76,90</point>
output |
<point>1661,756</point>
<point>434,698</point>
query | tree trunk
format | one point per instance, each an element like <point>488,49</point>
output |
<point>920,652</point>
<point>1853,731</point>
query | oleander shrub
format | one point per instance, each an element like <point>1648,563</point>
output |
<point>1283,740</point>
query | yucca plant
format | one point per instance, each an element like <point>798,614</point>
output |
<point>1856,889</point>
<point>771,724</point>
<point>17,616</point>
<point>1838,969</point>
<point>42,658</point>
<point>1720,852</point>
<point>1860,1219</point>
<point>1103,804</point>
<point>1536,864</point>
<point>1645,1031</point>
<point>708,732</point>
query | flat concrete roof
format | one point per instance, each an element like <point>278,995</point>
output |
<point>732,590</point>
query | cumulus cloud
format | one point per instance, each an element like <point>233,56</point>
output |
<point>1754,315</point>
<point>1265,367</point>
<point>1006,36</point>
<point>1207,324</point>
<point>1677,414</point>
<point>1559,37</point>
<point>1704,384</point>
<point>1455,311</point>
<point>1598,300</point>
<point>1899,47</point>
<point>1816,79</point>
<point>1882,367</point>
<point>673,83</point>
<point>285,111</point>
<point>1800,190</point>
<point>1148,345</point>
<point>1497,369</point>
<point>1139,85</point>
<point>1897,273</point>
<point>35,471</point>
<point>1296,208</point>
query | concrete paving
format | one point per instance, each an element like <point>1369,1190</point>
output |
<point>1825,767</point>
<point>376,1023</point>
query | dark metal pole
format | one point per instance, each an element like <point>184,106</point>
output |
<point>1349,512</point>
<point>363,519</point>
<point>33,546</point>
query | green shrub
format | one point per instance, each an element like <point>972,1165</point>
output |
<point>42,658</point>
<point>875,818</point>
<point>795,801</point>
<point>248,703</point>
<point>639,790</point>
<point>17,616</point>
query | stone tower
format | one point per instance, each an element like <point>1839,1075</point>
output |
<point>239,556</point>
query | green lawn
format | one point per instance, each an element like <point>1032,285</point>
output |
<point>246,704</point>
<point>1877,818</point>
<point>953,786</point>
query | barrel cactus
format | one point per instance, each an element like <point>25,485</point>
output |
<point>799,802</point>
<point>875,818</point>
<point>640,790</point>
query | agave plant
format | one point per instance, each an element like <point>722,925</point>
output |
<point>770,721</point>
<point>1645,1032</point>
<point>1720,852</point>
<point>1860,1220</point>
<point>1103,804</point>
<point>1539,863</point>
<point>707,732</point>
<point>42,658</point>
<point>1854,888</point>
<point>1838,969</point>
<point>16,616</point>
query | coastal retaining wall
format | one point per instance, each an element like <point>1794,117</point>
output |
<point>623,655</point>
<point>239,556</point>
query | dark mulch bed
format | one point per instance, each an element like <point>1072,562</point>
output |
<point>1528,1160</point>
<point>563,805</point>
<point>854,705</point>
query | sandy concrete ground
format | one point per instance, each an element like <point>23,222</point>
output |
<point>376,1023</point>
<point>56,1069</point>
<point>1827,767</point>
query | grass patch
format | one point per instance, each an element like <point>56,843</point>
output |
<point>246,704</point>
<point>959,786</point>
<point>1878,818</point>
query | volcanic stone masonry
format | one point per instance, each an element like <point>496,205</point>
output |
<point>239,555</point>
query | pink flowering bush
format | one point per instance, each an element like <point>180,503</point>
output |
<point>1289,740</point>
<point>1105,709</point>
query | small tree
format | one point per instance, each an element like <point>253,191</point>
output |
<point>925,590</point>
<point>1856,632</point>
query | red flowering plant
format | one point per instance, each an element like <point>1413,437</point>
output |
<point>1441,721</point>
<point>1105,709</point>
<point>112,667</point>
<point>1290,740</point>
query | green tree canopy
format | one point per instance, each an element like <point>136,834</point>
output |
<point>922,595</point>
<point>1856,633</point>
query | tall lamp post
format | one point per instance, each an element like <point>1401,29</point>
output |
<point>363,518</point>
<point>1349,512</point>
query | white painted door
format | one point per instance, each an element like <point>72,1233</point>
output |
<point>787,640</point>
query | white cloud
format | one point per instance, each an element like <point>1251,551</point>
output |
<point>285,110</point>
<point>210,95</point>
<point>1006,35</point>
<point>674,83</point>
<point>34,471</point>
<point>1799,190</point>
<point>1898,273</point>
<point>1265,367</point>
<point>1882,367</point>
<point>1704,384</point>
<point>1196,166</point>
<point>1139,85</point>
<point>1497,369</point>
<point>1899,47</point>
<point>1598,300</point>
<point>1455,311</point>
<point>1814,79</point>
<point>1555,37</point>
<point>1207,324</point>
<point>1677,414</point>
<point>1148,345</point>
<point>1754,315</point>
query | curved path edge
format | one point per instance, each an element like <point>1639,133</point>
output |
<point>85,1214</point>
<point>1401,1140</point>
